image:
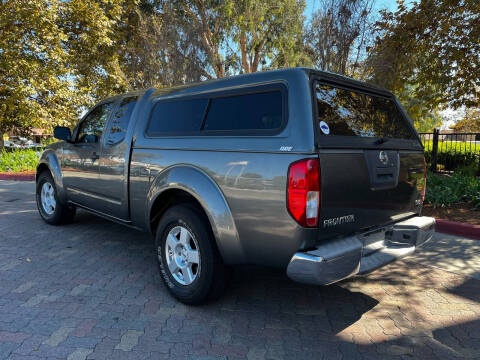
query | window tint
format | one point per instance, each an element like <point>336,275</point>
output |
<point>120,120</point>
<point>261,111</point>
<point>91,128</point>
<point>177,116</point>
<point>349,113</point>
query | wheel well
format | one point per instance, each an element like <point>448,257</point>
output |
<point>41,168</point>
<point>168,199</point>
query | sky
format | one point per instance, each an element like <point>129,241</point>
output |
<point>390,5</point>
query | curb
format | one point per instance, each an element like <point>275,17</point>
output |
<point>458,228</point>
<point>17,177</point>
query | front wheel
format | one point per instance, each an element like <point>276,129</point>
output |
<point>51,209</point>
<point>189,262</point>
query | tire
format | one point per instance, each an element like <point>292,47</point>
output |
<point>182,231</point>
<point>51,209</point>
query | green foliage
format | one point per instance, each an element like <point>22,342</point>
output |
<point>266,30</point>
<point>56,58</point>
<point>453,160</point>
<point>424,118</point>
<point>35,89</point>
<point>433,46</point>
<point>18,160</point>
<point>241,36</point>
<point>470,122</point>
<point>443,190</point>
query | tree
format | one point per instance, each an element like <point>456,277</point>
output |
<point>152,51</point>
<point>424,119</point>
<point>91,34</point>
<point>34,88</point>
<point>339,34</point>
<point>241,36</point>
<point>469,123</point>
<point>434,45</point>
<point>204,21</point>
<point>266,31</point>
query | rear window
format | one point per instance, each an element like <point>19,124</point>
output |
<point>349,113</point>
<point>259,111</point>
<point>178,116</point>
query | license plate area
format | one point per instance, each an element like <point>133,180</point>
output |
<point>374,240</point>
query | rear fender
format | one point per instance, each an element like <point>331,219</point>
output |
<point>198,184</point>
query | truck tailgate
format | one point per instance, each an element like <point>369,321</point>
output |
<point>371,159</point>
<point>359,193</point>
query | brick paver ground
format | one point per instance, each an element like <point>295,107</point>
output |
<point>90,290</point>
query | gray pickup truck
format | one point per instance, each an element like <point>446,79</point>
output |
<point>303,170</point>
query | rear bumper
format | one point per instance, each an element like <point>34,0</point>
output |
<point>360,254</point>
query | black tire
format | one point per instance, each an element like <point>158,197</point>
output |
<point>211,276</point>
<point>62,213</point>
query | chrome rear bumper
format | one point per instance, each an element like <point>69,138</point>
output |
<point>338,259</point>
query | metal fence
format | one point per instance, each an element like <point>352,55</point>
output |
<point>449,151</point>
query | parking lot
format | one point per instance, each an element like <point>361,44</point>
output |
<point>91,290</point>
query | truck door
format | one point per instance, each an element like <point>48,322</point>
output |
<point>81,158</point>
<point>114,159</point>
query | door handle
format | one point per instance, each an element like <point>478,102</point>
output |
<point>95,156</point>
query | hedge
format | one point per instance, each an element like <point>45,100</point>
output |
<point>18,160</point>
<point>454,155</point>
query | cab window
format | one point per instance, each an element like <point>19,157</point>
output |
<point>120,119</point>
<point>260,111</point>
<point>91,128</point>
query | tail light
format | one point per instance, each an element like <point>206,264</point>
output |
<point>303,195</point>
<point>424,179</point>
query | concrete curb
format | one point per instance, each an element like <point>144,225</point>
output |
<point>458,228</point>
<point>17,176</point>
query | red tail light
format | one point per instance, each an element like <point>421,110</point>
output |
<point>303,196</point>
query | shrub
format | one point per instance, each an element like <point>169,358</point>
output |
<point>18,160</point>
<point>453,146</point>
<point>454,160</point>
<point>443,190</point>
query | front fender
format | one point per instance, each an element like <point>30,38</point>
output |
<point>202,187</point>
<point>50,160</point>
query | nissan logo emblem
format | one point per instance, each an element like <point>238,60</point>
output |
<point>383,157</point>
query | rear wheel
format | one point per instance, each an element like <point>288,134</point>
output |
<point>51,209</point>
<point>189,262</point>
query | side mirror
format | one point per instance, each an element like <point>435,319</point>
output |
<point>62,133</point>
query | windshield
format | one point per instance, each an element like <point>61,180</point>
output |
<point>350,113</point>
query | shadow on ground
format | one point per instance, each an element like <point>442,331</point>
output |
<point>97,272</point>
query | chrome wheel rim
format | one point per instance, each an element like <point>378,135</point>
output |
<point>182,254</point>
<point>47,197</point>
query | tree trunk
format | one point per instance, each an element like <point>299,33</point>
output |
<point>243,50</point>
<point>1,142</point>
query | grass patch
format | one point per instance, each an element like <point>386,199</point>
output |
<point>18,160</point>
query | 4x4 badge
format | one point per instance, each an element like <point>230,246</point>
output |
<point>383,157</point>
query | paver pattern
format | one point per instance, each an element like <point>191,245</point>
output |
<point>90,290</point>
